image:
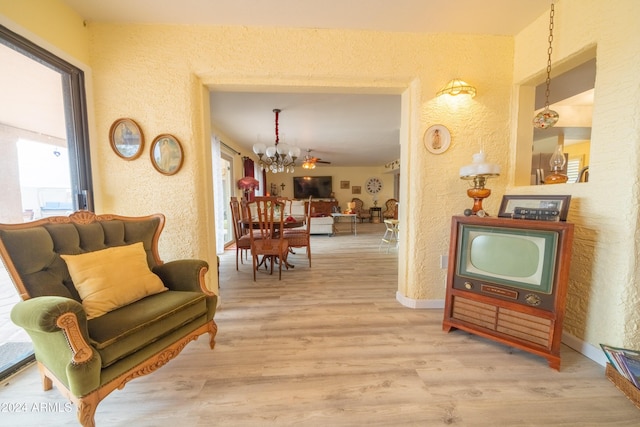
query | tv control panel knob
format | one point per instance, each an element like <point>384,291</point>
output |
<point>532,299</point>
<point>468,285</point>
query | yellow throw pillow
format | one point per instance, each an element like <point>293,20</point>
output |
<point>112,278</point>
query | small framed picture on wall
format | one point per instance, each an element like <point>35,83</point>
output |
<point>344,185</point>
<point>356,189</point>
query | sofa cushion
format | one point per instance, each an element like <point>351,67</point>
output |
<point>322,220</point>
<point>297,208</point>
<point>123,331</point>
<point>112,278</point>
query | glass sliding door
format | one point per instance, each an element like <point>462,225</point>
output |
<point>226,163</point>
<point>45,161</point>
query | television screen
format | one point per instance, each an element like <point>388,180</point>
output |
<point>319,187</point>
<point>520,258</point>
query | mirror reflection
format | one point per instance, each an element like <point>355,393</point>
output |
<point>571,95</point>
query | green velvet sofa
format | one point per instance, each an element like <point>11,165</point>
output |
<point>88,357</point>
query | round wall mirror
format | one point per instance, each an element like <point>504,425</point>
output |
<point>126,139</point>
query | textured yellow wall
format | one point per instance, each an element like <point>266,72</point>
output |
<point>150,73</point>
<point>603,299</point>
<point>52,21</point>
<point>355,175</point>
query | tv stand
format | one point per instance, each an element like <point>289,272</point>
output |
<point>502,313</point>
<point>321,207</point>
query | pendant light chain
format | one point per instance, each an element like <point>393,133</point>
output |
<point>277,111</point>
<point>547,118</point>
<point>549,51</point>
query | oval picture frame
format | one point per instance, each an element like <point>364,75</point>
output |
<point>126,139</point>
<point>437,139</point>
<point>166,154</point>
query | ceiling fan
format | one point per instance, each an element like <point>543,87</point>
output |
<point>309,161</point>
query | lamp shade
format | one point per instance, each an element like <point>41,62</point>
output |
<point>248,183</point>
<point>480,166</point>
<point>457,87</point>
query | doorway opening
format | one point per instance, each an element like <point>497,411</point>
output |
<point>45,161</point>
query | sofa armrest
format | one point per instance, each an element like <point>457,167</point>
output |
<point>58,328</point>
<point>184,275</point>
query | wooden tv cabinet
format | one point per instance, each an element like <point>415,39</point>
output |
<point>496,314</point>
<point>321,207</point>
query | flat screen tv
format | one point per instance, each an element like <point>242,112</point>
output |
<point>318,187</point>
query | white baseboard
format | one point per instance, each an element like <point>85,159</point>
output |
<point>419,303</point>
<point>569,340</point>
<point>584,348</point>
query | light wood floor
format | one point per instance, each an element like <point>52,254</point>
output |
<point>330,346</point>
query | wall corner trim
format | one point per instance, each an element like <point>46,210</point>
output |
<point>584,348</point>
<point>419,303</point>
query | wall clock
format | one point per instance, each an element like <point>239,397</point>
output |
<point>373,185</point>
<point>437,139</point>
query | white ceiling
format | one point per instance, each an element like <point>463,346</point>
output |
<point>341,128</point>
<point>345,129</point>
<point>504,17</point>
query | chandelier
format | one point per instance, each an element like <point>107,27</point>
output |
<point>277,157</point>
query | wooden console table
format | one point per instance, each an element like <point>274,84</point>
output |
<point>376,214</point>
<point>321,207</point>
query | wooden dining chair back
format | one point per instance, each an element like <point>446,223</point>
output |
<point>301,237</point>
<point>288,205</point>
<point>243,240</point>
<point>267,221</point>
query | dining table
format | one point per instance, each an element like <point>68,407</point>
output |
<point>295,222</point>
<point>289,222</point>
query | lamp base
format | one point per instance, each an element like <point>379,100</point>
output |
<point>478,194</point>
<point>556,178</point>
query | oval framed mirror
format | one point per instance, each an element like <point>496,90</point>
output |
<point>126,139</point>
<point>166,154</point>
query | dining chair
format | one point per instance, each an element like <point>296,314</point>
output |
<point>288,205</point>
<point>243,241</point>
<point>301,237</point>
<point>267,240</point>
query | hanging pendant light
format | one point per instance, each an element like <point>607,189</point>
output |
<point>278,157</point>
<point>547,118</point>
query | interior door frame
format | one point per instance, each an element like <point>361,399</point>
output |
<point>76,118</point>
<point>76,126</point>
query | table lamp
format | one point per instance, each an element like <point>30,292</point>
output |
<point>557,163</point>
<point>478,172</point>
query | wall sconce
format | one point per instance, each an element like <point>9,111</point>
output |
<point>458,87</point>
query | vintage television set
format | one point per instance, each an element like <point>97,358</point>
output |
<point>507,281</point>
<point>318,187</point>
